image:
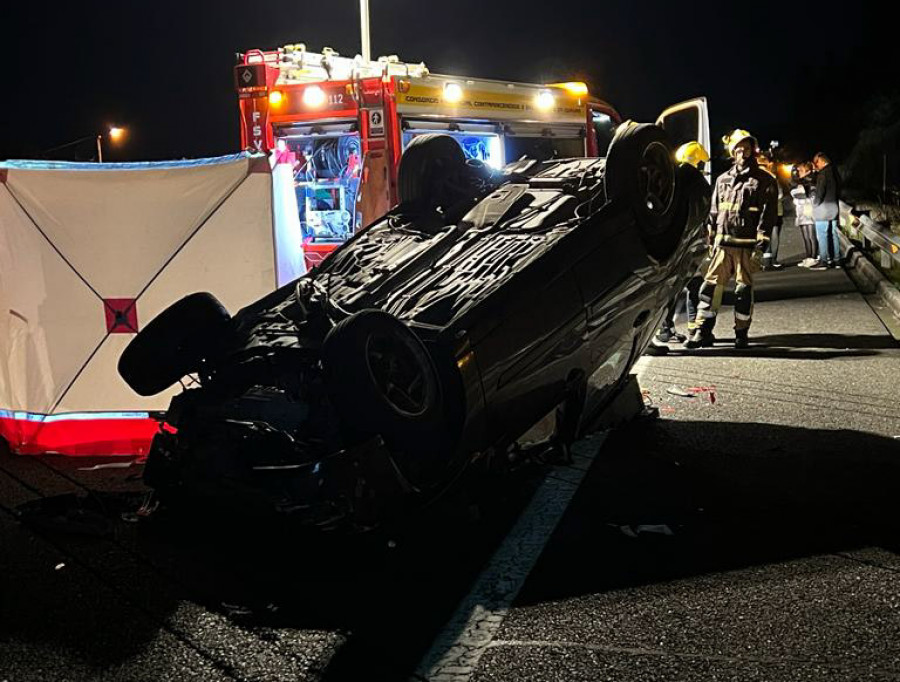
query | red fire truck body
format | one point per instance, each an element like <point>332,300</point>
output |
<point>341,126</point>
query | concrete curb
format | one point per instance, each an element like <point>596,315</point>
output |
<point>868,278</point>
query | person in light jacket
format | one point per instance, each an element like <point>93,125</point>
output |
<point>802,193</point>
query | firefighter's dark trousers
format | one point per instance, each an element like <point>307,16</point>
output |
<point>728,262</point>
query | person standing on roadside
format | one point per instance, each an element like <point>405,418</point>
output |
<point>826,212</point>
<point>770,257</point>
<point>741,219</point>
<point>802,193</point>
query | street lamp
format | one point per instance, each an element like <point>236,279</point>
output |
<point>364,29</point>
<point>115,135</point>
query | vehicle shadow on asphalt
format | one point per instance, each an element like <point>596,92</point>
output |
<point>388,593</point>
<point>55,615</point>
<point>805,346</point>
<point>732,495</point>
<point>838,341</point>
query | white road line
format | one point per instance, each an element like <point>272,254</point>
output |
<point>456,652</point>
<point>638,651</point>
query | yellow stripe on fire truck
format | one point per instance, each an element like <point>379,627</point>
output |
<point>420,98</point>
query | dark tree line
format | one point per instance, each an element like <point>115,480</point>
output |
<point>877,150</point>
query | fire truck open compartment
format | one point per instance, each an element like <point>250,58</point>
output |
<point>479,141</point>
<point>326,160</point>
<point>497,144</point>
<point>542,142</point>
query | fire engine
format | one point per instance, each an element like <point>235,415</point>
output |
<point>335,128</point>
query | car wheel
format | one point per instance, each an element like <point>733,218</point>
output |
<point>382,381</point>
<point>428,162</point>
<point>173,344</point>
<point>641,172</point>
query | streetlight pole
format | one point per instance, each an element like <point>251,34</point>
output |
<point>115,135</point>
<point>364,29</point>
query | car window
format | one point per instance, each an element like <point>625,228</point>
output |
<point>682,126</point>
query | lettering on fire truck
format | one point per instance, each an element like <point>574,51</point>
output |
<point>257,131</point>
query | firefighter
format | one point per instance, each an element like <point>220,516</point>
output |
<point>743,213</point>
<point>693,153</point>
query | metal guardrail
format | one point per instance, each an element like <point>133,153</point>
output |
<point>873,237</point>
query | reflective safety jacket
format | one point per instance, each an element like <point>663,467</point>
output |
<point>744,206</point>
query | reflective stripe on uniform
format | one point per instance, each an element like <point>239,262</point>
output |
<point>708,306</point>
<point>743,305</point>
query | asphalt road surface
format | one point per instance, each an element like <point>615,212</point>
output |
<point>751,532</point>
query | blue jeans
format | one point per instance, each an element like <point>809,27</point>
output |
<point>829,244</point>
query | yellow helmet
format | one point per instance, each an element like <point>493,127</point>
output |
<point>732,139</point>
<point>693,153</point>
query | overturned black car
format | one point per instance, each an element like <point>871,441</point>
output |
<point>430,341</point>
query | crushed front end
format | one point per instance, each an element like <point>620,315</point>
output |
<point>259,427</point>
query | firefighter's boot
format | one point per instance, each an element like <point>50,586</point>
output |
<point>740,338</point>
<point>700,338</point>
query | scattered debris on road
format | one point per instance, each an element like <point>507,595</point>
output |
<point>633,531</point>
<point>693,392</point>
<point>708,390</point>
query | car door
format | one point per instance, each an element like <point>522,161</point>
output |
<point>624,291</point>
<point>686,122</point>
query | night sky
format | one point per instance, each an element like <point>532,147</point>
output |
<point>798,72</point>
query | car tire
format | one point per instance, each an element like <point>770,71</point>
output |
<point>691,207</point>
<point>641,173</point>
<point>428,162</point>
<point>695,193</point>
<point>173,344</point>
<point>382,380</point>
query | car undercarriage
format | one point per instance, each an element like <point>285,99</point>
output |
<point>430,341</point>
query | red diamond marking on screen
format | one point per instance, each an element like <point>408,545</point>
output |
<point>121,315</point>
